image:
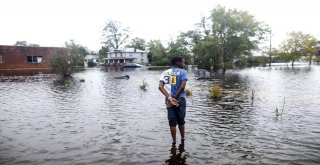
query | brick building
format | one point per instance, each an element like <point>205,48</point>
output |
<point>25,60</point>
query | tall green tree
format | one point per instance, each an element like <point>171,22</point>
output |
<point>77,51</point>
<point>181,46</point>
<point>206,53</point>
<point>137,43</point>
<point>115,34</point>
<point>310,47</point>
<point>65,60</point>
<point>157,53</point>
<point>236,33</point>
<point>293,47</point>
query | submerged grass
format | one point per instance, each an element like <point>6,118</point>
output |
<point>188,92</point>
<point>215,91</point>
<point>143,86</point>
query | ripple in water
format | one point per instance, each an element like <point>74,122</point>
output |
<point>110,121</point>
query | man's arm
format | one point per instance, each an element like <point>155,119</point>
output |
<point>163,91</point>
<point>181,89</point>
<point>172,101</point>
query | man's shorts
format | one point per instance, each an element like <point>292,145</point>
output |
<point>176,114</point>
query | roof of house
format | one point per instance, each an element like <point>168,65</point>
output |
<point>90,56</point>
<point>128,50</point>
<point>117,58</point>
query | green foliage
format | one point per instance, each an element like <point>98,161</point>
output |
<point>64,61</point>
<point>188,92</point>
<point>115,35</point>
<point>103,50</point>
<point>292,47</point>
<point>137,43</point>
<point>236,33</point>
<point>297,45</point>
<point>257,61</point>
<point>180,47</point>
<point>91,63</point>
<point>215,91</point>
<point>157,53</point>
<point>25,43</point>
<point>21,43</point>
<point>310,47</point>
<point>241,62</point>
<point>206,54</point>
<point>77,52</point>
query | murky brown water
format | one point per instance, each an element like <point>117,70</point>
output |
<point>110,121</point>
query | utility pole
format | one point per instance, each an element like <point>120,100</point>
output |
<point>270,49</point>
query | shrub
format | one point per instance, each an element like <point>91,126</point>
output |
<point>144,85</point>
<point>215,91</point>
<point>188,92</point>
<point>91,64</point>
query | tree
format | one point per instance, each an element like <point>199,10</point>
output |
<point>64,61</point>
<point>297,43</point>
<point>206,53</point>
<point>181,46</point>
<point>157,53</point>
<point>21,43</point>
<point>236,33</point>
<point>137,43</point>
<point>115,35</point>
<point>77,51</point>
<point>103,52</point>
<point>25,43</point>
<point>310,47</point>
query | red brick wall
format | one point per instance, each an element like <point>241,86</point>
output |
<point>14,60</point>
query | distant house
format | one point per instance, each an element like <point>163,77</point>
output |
<point>120,57</point>
<point>91,57</point>
<point>25,60</point>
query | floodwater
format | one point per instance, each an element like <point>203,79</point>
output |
<point>111,121</point>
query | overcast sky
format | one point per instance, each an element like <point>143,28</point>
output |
<point>52,22</point>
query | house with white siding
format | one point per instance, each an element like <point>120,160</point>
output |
<point>120,57</point>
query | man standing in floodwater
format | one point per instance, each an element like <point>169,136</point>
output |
<point>172,85</point>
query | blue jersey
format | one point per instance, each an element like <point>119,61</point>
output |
<point>172,79</point>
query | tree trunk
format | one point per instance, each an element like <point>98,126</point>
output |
<point>292,62</point>
<point>310,59</point>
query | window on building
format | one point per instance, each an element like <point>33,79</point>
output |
<point>1,59</point>
<point>34,59</point>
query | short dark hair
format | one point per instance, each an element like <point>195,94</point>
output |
<point>176,59</point>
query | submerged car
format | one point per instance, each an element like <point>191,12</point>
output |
<point>132,65</point>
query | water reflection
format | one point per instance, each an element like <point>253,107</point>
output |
<point>104,120</point>
<point>178,156</point>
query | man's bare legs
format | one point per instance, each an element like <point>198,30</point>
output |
<point>181,129</point>
<point>173,131</point>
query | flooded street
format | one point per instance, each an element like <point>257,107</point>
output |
<point>111,121</point>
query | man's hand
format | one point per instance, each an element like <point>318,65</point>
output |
<point>172,101</point>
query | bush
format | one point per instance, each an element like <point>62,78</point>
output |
<point>188,92</point>
<point>92,64</point>
<point>215,91</point>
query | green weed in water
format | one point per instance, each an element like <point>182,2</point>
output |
<point>144,85</point>
<point>188,92</point>
<point>215,91</point>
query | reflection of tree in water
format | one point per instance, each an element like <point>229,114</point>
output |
<point>177,158</point>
